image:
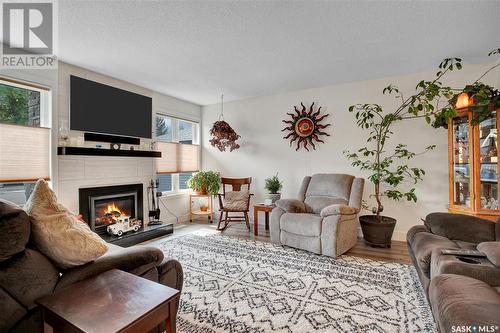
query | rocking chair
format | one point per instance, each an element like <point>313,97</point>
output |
<point>234,201</point>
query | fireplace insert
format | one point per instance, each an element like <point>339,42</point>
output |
<point>103,206</point>
<point>116,214</point>
<point>106,210</point>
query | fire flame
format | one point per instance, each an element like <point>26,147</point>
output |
<point>112,208</point>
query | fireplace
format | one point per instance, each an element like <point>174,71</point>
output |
<point>102,206</point>
<point>116,214</point>
<point>106,210</point>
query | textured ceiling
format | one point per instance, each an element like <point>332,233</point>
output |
<point>196,50</point>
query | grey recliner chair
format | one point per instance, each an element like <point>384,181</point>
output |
<point>323,219</point>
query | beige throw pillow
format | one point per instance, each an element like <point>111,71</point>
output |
<point>58,233</point>
<point>236,200</point>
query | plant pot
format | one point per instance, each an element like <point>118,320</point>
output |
<point>204,208</point>
<point>375,233</point>
<point>202,191</point>
<point>274,196</point>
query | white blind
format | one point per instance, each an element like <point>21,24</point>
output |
<point>24,153</point>
<point>177,157</point>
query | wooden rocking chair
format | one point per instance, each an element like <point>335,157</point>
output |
<point>234,201</point>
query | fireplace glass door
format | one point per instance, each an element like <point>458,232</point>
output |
<point>105,210</point>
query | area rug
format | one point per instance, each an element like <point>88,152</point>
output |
<point>233,285</point>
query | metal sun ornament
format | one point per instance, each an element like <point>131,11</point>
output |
<point>305,127</point>
<point>223,135</point>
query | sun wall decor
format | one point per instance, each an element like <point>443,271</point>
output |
<point>305,127</point>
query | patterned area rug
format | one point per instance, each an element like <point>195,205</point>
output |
<point>246,286</point>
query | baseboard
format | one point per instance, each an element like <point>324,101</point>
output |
<point>179,219</point>
<point>396,236</point>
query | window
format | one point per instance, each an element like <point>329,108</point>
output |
<point>24,139</point>
<point>169,129</point>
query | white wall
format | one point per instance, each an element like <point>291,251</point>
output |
<point>263,152</point>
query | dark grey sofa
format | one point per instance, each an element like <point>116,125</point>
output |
<point>460,293</point>
<point>26,274</point>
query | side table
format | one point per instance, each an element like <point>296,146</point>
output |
<point>209,212</point>
<point>114,301</point>
<point>261,208</point>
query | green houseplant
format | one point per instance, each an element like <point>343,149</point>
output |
<point>388,168</point>
<point>273,185</point>
<point>205,182</point>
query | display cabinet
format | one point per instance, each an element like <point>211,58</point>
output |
<point>473,165</point>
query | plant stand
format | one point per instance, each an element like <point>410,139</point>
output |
<point>209,212</point>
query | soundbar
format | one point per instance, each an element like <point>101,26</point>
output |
<point>111,138</point>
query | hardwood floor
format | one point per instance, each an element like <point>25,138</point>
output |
<point>397,253</point>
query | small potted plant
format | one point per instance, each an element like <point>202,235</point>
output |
<point>205,182</point>
<point>273,186</point>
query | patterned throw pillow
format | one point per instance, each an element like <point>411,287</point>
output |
<point>236,200</point>
<point>58,233</point>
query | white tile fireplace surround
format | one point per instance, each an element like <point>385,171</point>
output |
<point>73,172</point>
<point>77,172</point>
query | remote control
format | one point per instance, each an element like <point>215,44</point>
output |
<point>465,253</point>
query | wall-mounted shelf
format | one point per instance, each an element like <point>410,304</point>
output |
<point>85,151</point>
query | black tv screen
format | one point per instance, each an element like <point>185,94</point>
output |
<point>99,108</point>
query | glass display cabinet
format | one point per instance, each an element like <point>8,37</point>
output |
<point>473,166</point>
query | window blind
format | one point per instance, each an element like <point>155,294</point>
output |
<point>24,153</point>
<point>177,158</point>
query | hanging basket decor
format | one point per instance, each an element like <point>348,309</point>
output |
<point>305,127</point>
<point>224,136</point>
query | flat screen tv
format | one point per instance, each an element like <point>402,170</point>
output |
<point>98,108</point>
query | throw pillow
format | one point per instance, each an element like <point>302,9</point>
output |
<point>58,233</point>
<point>236,200</point>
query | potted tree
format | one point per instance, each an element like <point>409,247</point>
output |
<point>273,186</point>
<point>205,182</point>
<point>388,168</point>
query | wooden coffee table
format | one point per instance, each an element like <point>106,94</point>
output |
<point>114,301</point>
<point>261,208</point>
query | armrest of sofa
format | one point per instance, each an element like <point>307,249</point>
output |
<point>484,270</point>
<point>415,230</point>
<point>492,252</point>
<point>135,259</point>
<point>291,205</point>
<point>461,227</point>
<point>170,273</point>
<point>338,209</point>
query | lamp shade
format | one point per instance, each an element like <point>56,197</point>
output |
<point>24,153</point>
<point>177,157</point>
<point>463,101</point>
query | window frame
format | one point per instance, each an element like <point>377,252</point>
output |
<point>175,138</point>
<point>45,117</point>
<point>45,99</point>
